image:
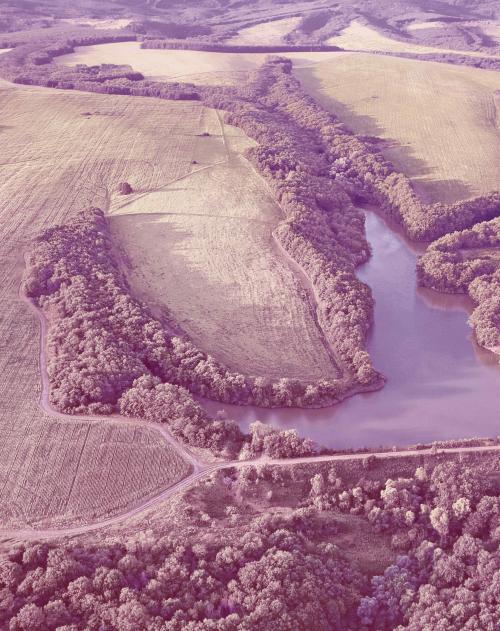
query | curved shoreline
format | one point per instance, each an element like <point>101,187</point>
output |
<point>201,468</point>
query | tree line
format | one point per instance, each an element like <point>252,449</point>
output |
<point>106,352</point>
<point>468,262</point>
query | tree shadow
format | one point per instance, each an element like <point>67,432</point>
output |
<point>402,156</point>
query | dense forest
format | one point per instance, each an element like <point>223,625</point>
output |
<point>219,563</point>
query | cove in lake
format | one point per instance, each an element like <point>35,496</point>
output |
<point>440,384</point>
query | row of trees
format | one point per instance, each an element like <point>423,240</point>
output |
<point>221,47</point>
<point>487,63</point>
<point>373,177</point>
<point>100,339</point>
<point>321,229</point>
<point>469,262</point>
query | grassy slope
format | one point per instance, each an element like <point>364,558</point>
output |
<point>358,36</point>
<point>203,246</point>
<point>439,121</point>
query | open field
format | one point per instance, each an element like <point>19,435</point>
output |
<point>99,24</point>
<point>203,245</point>
<point>204,68</point>
<point>192,66</point>
<point>269,33</point>
<point>492,29</point>
<point>439,121</point>
<point>359,36</point>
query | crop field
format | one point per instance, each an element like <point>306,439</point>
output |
<point>203,245</point>
<point>269,33</point>
<point>220,274</point>
<point>439,122</point>
<point>59,150</point>
<point>358,36</point>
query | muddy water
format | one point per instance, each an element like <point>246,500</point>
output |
<point>440,384</point>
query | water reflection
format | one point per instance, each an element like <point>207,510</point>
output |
<point>441,385</point>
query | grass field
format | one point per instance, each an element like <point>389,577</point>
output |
<point>358,36</point>
<point>203,246</point>
<point>269,33</point>
<point>439,121</point>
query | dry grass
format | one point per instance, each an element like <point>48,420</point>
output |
<point>439,121</point>
<point>203,246</point>
<point>267,33</point>
<point>358,36</point>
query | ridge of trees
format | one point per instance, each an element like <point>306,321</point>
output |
<point>468,261</point>
<point>321,230</point>
<point>364,171</point>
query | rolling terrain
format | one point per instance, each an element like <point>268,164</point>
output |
<point>258,263</point>
<point>55,470</point>
<point>191,244</point>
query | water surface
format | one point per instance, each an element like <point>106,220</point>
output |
<point>441,385</point>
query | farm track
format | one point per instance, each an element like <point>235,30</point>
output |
<point>201,469</point>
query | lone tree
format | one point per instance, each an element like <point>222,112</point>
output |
<point>124,188</point>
